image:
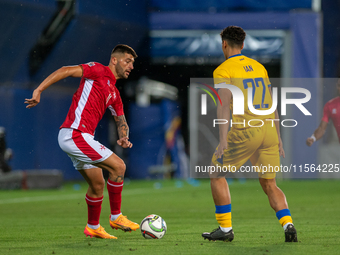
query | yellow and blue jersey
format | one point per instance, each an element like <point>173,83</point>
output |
<point>259,144</point>
<point>244,72</point>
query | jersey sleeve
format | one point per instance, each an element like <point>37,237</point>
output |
<point>92,70</point>
<point>221,75</point>
<point>116,108</point>
<point>326,113</point>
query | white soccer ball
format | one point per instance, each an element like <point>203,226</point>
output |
<point>153,227</point>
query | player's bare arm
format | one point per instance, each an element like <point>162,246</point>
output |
<point>223,112</point>
<point>318,133</point>
<point>277,125</point>
<point>62,73</point>
<point>123,131</point>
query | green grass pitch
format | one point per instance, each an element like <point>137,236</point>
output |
<point>52,221</point>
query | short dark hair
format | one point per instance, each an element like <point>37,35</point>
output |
<point>122,48</point>
<point>234,35</point>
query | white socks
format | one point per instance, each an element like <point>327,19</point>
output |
<point>226,230</point>
<point>93,226</point>
<point>286,225</point>
<point>115,216</point>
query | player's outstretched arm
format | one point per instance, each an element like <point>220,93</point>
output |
<point>318,133</point>
<point>62,73</point>
<point>123,131</point>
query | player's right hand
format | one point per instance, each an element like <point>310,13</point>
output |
<point>220,150</point>
<point>309,141</point>
<point>34,100</point>
<point>124,142</point>
<point>281,150</point>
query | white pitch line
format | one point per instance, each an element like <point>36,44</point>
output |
<point>77,196</point>
<point>38,199</point>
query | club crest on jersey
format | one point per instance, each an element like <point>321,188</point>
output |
<point>91,64</point>
<point>334,111</point>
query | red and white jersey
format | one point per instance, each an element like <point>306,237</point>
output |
<point>331,111</point>
<point>96,93</point>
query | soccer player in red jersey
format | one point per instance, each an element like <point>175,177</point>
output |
<point>96,93</point>
<point>331,110</point>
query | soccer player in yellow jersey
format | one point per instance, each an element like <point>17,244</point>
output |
<point>251,136</point>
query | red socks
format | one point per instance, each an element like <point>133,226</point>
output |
<point>115,195</point>
<point>94,206</point>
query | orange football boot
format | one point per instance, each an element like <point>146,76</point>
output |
<point>124,224</point>
<point>99,233</point>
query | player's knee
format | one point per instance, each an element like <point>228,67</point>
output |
<point>214,179</point>
<point>121,167</point>
<point>98,187</point>
<point>217,181</point>
<point>117,168</point>
<point>267,184</point>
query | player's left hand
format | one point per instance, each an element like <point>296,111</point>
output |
<point>124,142</point>
<point>281,150</point>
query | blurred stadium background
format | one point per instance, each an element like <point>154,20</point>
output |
<point>175,41</point>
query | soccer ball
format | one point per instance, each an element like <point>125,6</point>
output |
<point>153,227</point>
